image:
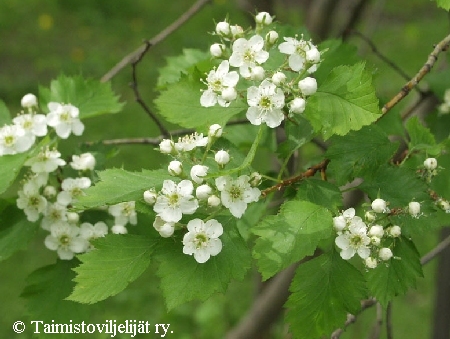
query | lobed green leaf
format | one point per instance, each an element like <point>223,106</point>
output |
<point>445,4</point>
<point>321,193</point>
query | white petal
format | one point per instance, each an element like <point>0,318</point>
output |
<point>201,255</point>
<point>237,208</point>
<point>347,254</point>
<point>342,242</point>
<point>185,188</point>
<point>296,62</point>
<point>215,246</point>
<point>208,98</point>
<point>254,116</point>
<point>274,118</point>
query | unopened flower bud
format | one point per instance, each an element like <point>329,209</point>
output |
<point>236,31</point>
<point>73,217</point>
<point>166,146</point>
<point>313,55</point>
<point>198,172</point>
<point>216,50</point>
<point>29,100</point>
<point>371,262</point>
<point>430,163</point>
<point>263,18</point>
<point>150,196</point>
<point>297,105</point>
<point>385,254</point>
<point>49,192</point>
<point>83,162</point>
<point>395,231</point>
<point>119,229</point>
<point>213,201</point>
<point>255,179</point>
<point>215,131</point>
<point>175,168</point>
<point>308,86</point>
<point>414,208</point>
<point>223,28</point>
<point>222,157</point>
<point>379,206</point>
<point>272,37</point>
<point>370,216</point>
<point>229,94</point>
<point>375,240</point>
<point>377,231</point>
<point>257,73</point>
<point>203,192</point>
<point>278,78</point>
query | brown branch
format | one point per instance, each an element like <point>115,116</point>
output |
<point>308,173</point>
<point>432,58</point>
<point>133,56</point>
<point>376,330</point>
<point>389,333</point>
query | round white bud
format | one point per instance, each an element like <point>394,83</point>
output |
<point>150,196</point>
<point>385,254</point>
<point>278,78</point>
<point>49,191</point>
<point>313,55</point>
<point>263,18</point>
<point>339,223</point>
<point>371,262</point>
<point>198,172</point>
<point>308,86</point>
<point>215,131</point>
<point>203,192</point>
<point>213,201</point>
<point>414,208</point>
<point>430,163</point>
<point>83,162</point>
<point>216,50</point>
<point>375,241</point>
<point>73,217</point>
<point>166,146</point>
<point>229,94</point>
<point>236,31</point>
<point>272,37</point>
<point>444,205</point>
<point>223,28</point>
<point>395,231</point>
<point>255,179</point>
<point>119,229</point>
<point>370,216</point>
<point>297,105</point>
<point>377,231</point>
<point>29,100</point>
<point>166,230</point>
<point>257,73</point>
<point>222,157</point>
<point>379,206</point>
<point>175,168</point>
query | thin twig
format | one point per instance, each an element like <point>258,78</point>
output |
<point>432,58</point>
<point>389,333</point>
<point>376,330</point>
<point>130,58</point>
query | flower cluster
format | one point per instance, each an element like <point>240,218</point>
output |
<point>199,185</point>
<point>47,194</point>
<point>272,92</point>
<point>373,237</point>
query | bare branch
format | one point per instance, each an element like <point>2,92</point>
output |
<point>389,334</point>
<point>133,56</point>
<point>432,58</point>
<point>376,330</point>
<point>435,251</point>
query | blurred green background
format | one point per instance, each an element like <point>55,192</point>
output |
<point>39,39</point>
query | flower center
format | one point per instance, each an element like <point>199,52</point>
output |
<point>265,103</point>
<point>173,199</point>
<point>64,240</point>
<point>9,140</point>
<point>34,201</point>
<point>248,56</point>
<point>200,240</point>
<point>64,117</point>
<point>356,241</point>
<point>235,192</point>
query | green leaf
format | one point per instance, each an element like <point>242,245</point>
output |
<point>180,104</point>
<point>321,193</point>
<point>396,276</point>
<point>5,116</point>
<point>420,137</point>
<point>183,279</point>
<point>397,185</point>
<point>10,166</point>
<point>345,101</point>
<point>178,65</point>
<point>359,153</point>
<point>445,4</point>
<point>116,261</point>
<point>45,292</point>
<point>118,185</point>
<point>15,231</point>
<point>296,137</point>
<point>290,235</point>
<point>322,295</point>
<point>90,96</point>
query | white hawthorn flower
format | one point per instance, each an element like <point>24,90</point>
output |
<point>83,162</point>
<point>72,188</point>
<point>308,86</point>
<point>64,119</point>
<point>414,209</point>
<point>220,81</point>
<point>297,51</point>
<point>379,206</point>
<point>90,232</point>
<point>175,168</point>
<point>235,194</point>
<point>266,103</point>
<point>222,157</point>
<point>385,254</point>
<point>46,161</point>
<point>355,240</point>
<point>263,18</point>
<point>189,142</point>
<point>14,139</point>
<point>164,228</point>
<point>65,240</point>
<point>430,164</point>
<point>123,213</point>
<point>198,172</point>
<point>28,101</point>
<point>54,214</point>
<point>248,54</point>
<point>202,239</point>
<point>32,204</point>
<point>34,124</point>
<point>174,200</point>
<point>297,105</point>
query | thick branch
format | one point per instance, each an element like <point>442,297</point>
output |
<point>432,58</point>
<point>133,56</point>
